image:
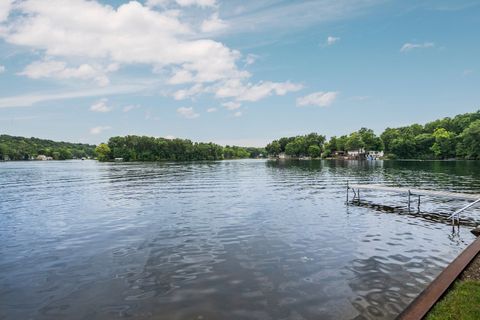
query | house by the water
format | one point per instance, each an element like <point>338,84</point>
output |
<point>43,157</point>
<point>282,155</point>
<point>362,154</point>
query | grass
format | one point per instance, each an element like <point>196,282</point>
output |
<point>462,302</point>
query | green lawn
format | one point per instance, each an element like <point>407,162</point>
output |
<point>462,302</point>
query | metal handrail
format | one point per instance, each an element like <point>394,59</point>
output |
<point>457,213</point>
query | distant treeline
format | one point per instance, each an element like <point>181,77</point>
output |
<point>19,148</point>
<point>447,138</point>
<point>142,148</point>
<point>457,137</point>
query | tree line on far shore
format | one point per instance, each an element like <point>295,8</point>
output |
<point>142,148</point>
<point>447,138</point>
<point>20,148</point>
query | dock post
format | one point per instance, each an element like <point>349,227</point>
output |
<point>358,190</point>
<point>418,204</point>
<point>409,193</point>
<point>348,191</point>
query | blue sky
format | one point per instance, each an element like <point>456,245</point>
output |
<point>233,72</point>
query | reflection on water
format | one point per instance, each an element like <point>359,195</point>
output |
<point>220,240</point>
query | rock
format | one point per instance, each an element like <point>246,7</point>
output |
<point>476,231</point>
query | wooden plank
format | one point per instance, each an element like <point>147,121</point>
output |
<point>427,299</point>
<point>421,192</point>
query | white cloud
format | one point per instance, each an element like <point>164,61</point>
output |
<point>169,137</point>
<point>250,59</point>
<point>27,100</point>
<point>87,40</point>
<point>2,69</point>
<point>200,3</point>
<point>101,106</point>
<point>249,92</point>
<point>188,113</point>
<point>332,40</point>
<point>99,129</point>
<point>187,93</point>
<point>213,24</point>
<point>411,46</point>
<point>236,88</point>
<point>130,108</point>
<point>157,3</point>
<point>467,72</point>
<point>182,3</point>
<point>321,99</point>
<point>210,110</point>
<point>278,15</point>
<point>59,70</point>
<point>5,7</point>
<point>129,34</point>
<point>237,114</point>
<point>181,76</point>
<point>232,105</point>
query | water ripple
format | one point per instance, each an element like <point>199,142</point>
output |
<point>220,240</point>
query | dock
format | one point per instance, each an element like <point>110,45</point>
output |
<point>417,192</point>
<point>427,299</point>
<point>414,192</point>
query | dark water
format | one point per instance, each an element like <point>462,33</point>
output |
<point>220,240</point>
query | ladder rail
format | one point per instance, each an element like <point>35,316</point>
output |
<point>457,213</point>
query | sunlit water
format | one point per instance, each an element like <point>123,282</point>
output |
<point>247,239</point>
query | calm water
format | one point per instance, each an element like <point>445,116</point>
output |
<point>219,240</point>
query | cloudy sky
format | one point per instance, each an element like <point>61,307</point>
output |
<point>233,72</point>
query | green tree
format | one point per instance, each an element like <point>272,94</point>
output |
<point>104,152</point>
<point>342,143</point>
<point>423,145</point>
<point>388,136</point>
<point>370,140</point>
<point>65,154</point>
<point>354,142</point>
<point>314,151</point>
<point>403,148</point>
<point>3,151</point>
<point>445,143</point>
<point>274,148</point>
<point>471,140</point>
<point>292,149</point>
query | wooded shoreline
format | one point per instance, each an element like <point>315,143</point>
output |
<point>456,138</point>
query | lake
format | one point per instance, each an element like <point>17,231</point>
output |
<point>246,239</point>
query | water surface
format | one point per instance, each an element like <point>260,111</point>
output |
<point>246,239</point>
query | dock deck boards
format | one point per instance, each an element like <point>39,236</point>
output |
<point>420,192</point>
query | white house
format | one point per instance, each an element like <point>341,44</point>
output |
<point>374,155</point>
<point>362,154</point>
<point>356,153</point>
